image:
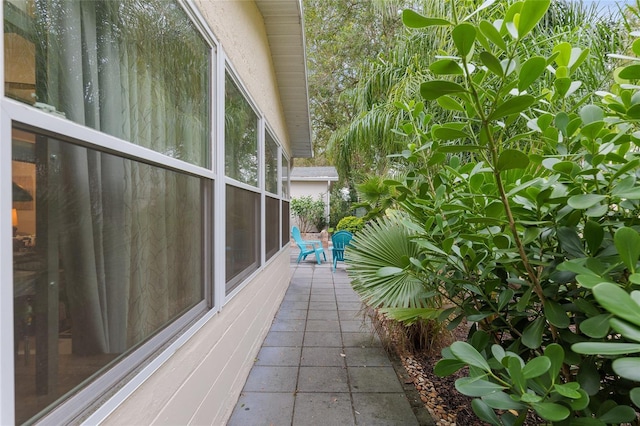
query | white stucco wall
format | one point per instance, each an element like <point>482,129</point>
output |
<point>239,27</point>
<point>309,188</point>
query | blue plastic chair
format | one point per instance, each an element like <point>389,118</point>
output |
<point>340,240</point>
<point>307,246</point>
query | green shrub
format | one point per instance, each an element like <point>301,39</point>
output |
<point>350,223</point>
<point>525,212</point>
<point>308,212</point>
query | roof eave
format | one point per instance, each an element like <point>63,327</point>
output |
<point>284,24</point>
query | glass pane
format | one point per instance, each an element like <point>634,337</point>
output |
<point>135,69</point>
<point>106,252</point>
<point>286,238</point>
<point>285,177</point>
<point>272,220</point>
<point>271,164</point>
<point>242,234</point>
<point>240,136</point>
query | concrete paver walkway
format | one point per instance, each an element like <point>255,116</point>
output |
<point>321,362</point>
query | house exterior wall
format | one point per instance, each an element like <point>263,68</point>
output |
<point>199,380</point>
<point>314,189</point>
<point>239,27</point>
<point>309,188</point>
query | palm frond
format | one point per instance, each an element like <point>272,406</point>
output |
<point>386,243</point>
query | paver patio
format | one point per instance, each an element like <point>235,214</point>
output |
<point>322,362</point>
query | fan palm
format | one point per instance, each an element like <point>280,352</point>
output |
<point>380,256</point>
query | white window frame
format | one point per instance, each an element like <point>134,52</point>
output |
<point>164,344</point>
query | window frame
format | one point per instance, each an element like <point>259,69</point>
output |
<point>104,394</point>
<point>153,351</point>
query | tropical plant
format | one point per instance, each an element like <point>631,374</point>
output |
<point>520,203</point>
<point>352,224</point>
<point>341,36</point>
<point>309,213</point>
<point>340,205</point>
<point>364,145</point>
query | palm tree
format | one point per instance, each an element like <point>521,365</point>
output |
<point>363,146</point>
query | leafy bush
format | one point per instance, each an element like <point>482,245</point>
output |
<point>309,213</point>
<point>526,211</point>
<point>350,223</point>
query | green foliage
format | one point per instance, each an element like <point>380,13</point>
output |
<point>340,205</point>
<point>350,223</point>
<point>394,75</point>
<point>522,209</point>
<point>309,213</point>
<point>341,36</point>
<point>375,197</point>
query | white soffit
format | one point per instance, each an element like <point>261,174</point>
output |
<point>285,31</point>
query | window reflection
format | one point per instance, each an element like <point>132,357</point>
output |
<point>240,136</point>
<point>107,252</point>
<point>242,235</point>
<point>286,237</point>
<point>271,164</point>
<point>272,226</point>
<point>134,69</point>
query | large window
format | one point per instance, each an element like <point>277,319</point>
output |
<point>107,252</point>
<point>112,204</point>
<point>240,135</point>
<point>134,69</point>
<point>270,164</point>
<point>286,232</point>
<point>109,239</point>
<point>272,227</point>
<point>242,235</point>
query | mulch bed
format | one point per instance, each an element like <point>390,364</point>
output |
<point>446,405</point>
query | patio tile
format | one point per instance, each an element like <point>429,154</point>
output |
<point>279,356</point>
<point>350,306</point>
<point>293,305</point>
<point>271,379</point>
<point>323,297</point>
<point>322,290</point>
<point>323,306</point>
<point>366,357</point>
<point>322,363</point>
<point>383,409</point>
<point>256,408</point>
<point>323,325</point>
<point>322,357</point>
<point>323,409</point>
<point>283,338</point>
<point>302,297</point>
<point>322,338</point>
<point>361,340</point>
<point>374,379</point>
<point>355,326</point>
<point>292,314</point>
<point>322,315</point>
<point>322,379</point>
<point>287,325</point>
<point>351,315</point>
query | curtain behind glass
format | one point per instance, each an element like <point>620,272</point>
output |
<point>135,69</point>
<point>113,66</point>
<point>240,136</point>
